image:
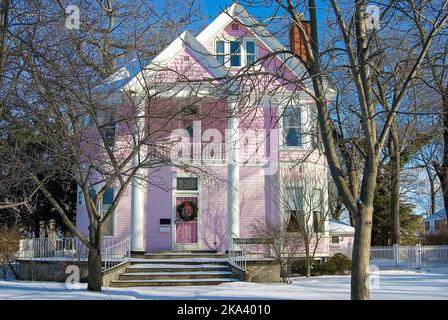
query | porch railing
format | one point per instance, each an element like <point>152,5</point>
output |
<point>237,256</point>
<point>244,249</point>
<point>114,250</point>
<point>116,254</point>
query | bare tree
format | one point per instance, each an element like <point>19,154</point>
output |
<point>299,192</point>
<point>362,51</point>
<point>102,137</point>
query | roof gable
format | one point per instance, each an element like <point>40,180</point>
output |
<point>240,14</point>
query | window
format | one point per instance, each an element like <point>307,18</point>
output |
<point>438,224</point>
<point>235,54</point>
<point>88,120</point>
<point>294,208</point>
<point>189,129</point>
<point>92,193</point>
<point>292,124</point>
<point>190,110</point>
<point>250,52</point>
<point>108,225</point>
<point>335,239</point>
<point>187,184</point>
<point>318,212</point>
<point>427,225</point>
<point>296,220</point>
<point>220,51</point>
<point>109,133</point>
<point>316,143</point>
<point>80,198</point>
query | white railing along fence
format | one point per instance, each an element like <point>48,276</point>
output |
<point>417,256</point>
<point>113,250</point>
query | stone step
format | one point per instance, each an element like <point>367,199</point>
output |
<point>176,275</point>
<point>155,267</point>
<point>186,260</point>
<point>174,255</point>
<point>174,282</point>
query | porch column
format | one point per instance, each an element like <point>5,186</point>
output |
<point>137,213</point>
<point>233,174</point>
<point>138,182</point>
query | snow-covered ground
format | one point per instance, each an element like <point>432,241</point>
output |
<point>393,284</point>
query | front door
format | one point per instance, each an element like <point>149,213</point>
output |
<point>186,221</point>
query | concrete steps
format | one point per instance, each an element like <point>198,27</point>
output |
<point>176,268</point>
<point>174,282</point>
<point>179,255</point>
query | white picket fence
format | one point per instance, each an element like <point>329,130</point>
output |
<point>417,256</point>
<point>114,250</point>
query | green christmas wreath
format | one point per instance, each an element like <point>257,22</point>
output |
<point>187,211</point>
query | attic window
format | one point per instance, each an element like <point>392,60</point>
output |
<point>235,26</point>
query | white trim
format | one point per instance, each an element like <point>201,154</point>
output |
<point>239,13</point>
<point>186,39</point>
<point>185,193</point>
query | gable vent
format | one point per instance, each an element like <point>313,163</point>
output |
<point>235,26</point>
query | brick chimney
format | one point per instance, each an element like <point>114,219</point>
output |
<point>296,41</point>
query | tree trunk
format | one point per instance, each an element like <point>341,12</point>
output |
<point>395,166</point>
<point>95,278</point>
<point>432,190</point>
<point>442,172</point>
<point>361,254</point>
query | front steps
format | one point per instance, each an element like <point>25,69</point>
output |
<point>176,268</point>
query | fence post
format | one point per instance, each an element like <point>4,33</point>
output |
<point>418,255</point>
<point>396,255</point>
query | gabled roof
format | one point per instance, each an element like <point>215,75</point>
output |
<point>161,61</point>
<point>337,227</point>
<point>240,14</point>
<point>133,77</point>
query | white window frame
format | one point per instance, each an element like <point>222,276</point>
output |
<point>282,128</point>
<point>245,49</point>
<point>243,52</point>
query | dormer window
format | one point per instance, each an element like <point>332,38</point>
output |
<point>250,52</point>
<point>220,51</point>
<point>235,53</point>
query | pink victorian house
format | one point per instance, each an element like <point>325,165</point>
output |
<point>184,209</point>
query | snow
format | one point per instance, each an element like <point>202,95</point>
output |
<point>394,284</point>
<point>339,227</point>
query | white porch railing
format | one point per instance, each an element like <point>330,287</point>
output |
<point>52,249</point>
<point>237,256</point>
<point>244,249</point>
<point>116,254</point>
<point>114,250</point>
